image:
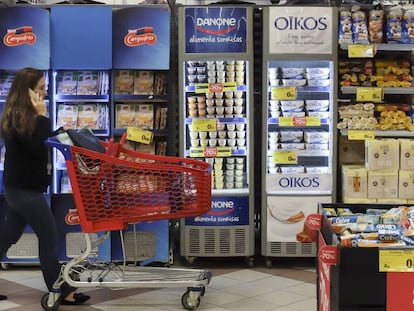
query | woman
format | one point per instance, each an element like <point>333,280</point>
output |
<point>24,128</point>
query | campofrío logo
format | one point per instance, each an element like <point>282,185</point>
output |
<point>299,182</point>
<point>72,217</point>
<point>221,208</point>
<point>217,25</point>
<point>140,36</point>
<point>301,23</point>
<point>20,36</point>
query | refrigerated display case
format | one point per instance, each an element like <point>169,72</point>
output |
<point>216,125</point>
<point>298,135</point>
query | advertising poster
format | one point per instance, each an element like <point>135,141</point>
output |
<point>141,38</point>
<point>225,211</point>
<point>286,217</point>
<point>304,30</point>
<point>215,30</point>
<point>25,38</point>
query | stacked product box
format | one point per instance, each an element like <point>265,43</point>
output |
<point>386,177</point>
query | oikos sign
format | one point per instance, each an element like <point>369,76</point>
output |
<point>308,30</point>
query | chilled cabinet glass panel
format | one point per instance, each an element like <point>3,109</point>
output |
<point>216,113</point>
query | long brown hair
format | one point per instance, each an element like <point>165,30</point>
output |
<point>18,113</point>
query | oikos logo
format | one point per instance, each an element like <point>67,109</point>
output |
<point>299,182</point>
<point>301,23</point>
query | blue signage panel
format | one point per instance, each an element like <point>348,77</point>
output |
<point>225,211</point>
<point>141,38</point>
<point>25,37</point>
<point>81,37</point>
<point>215,30</point>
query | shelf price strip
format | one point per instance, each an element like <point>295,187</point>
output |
<point>284,93</point>
<point>374,94</point>
<point>139,135</point>
<point>396,260</point>
<point>361,51</point>
<point>360,135</point>
<point>285,157</point>
<point>210,152</point>
<point>299,121</point>
<point>215,87</point>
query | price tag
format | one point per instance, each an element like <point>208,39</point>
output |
<point>313,121</point>
<point>215,87</point>
<point>140,136</point>
<point>201,88</point>
<point>369,94</point>
<point>196,152</point>
<point>396,260</point>
<point>361,51</point>
<point>285,121</point>
<point>229,86</point>
<point>285,157</point>
<point>360,135</point>
<point>284,93</point>
<point>203,125</point>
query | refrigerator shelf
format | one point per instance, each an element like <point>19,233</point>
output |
<point>193,88</point>
<point>385,47</point>
<point>233,191</point>
<point>82,98</point>
<point>385,90</point>
<point>198,152</point>
<point>299,193</point>
<point>222,120</point>
<point>130,97</point>
<point>306,89</point>
<point>401,133</point>
<point>275,121</point>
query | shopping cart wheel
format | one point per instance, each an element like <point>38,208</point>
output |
<point>201,289</point>
<point>45,306</point>
<point>191,300</point>
<point>4,265</point>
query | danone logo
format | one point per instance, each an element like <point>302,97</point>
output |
<point>19,36</point>
<point>221,208</point>
<point>72,217</point>
<point>216,26</point>
<point>140,36</point>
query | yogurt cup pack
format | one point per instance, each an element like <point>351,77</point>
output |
<point>293,136</point>
<point>317,105</point>
<point>292,105</point>
<point>292,73</point>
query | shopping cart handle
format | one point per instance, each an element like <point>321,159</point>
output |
<point>64,148</point>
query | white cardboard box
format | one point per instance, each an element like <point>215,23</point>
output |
<point>382,154</point>
<point>406,184</point>
<point>383,184</point>
<point>354,181</point>
<point>406,154</point>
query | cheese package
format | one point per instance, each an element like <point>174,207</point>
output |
<point>144,83</point>
<point>406,184</point>
<point>144,116</point>
<point>67,115</point>
<point>124,115</point>
<point>124,82</point>
<point>88,116</point>
<point>67,83</point>
<point>87,83</point>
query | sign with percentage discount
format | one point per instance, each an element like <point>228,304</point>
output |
<point>324,273</point>
<point>328,254</point>
<point>400,291</point>
<point>361,51</point>
<point>215,87</point>
<point>373,94</point>
<point>284,93</point>
<point>314,221</point>
<point>139,136</point>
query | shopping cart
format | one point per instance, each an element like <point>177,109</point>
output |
<point>120,187</point>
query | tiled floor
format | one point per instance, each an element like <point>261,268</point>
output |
<point>290,285</point>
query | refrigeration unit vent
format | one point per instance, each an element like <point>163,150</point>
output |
<point>75,244</point>
<point>140,245</point>
<point>217,241</point>
<point>26,247</point>
<point>291,249</point>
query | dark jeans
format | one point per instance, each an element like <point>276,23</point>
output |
<point>31,208</point>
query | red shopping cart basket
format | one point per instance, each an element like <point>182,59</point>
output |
<point>123,186</point>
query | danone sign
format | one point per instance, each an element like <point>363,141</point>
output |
<point>304,30</point>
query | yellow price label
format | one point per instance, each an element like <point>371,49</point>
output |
<point>361,51</point>
<point>285,121</point>
<point>284,92</point>
<point>285,157</point>
<point>360,135</point>
<point>139,135</point>
<point>369,94</point>
<point>313,121</point>
<point>204,125</point>
<point>396,260</point>
<point>229,86</point>
<point>197,152</point>
<point>224,151</point>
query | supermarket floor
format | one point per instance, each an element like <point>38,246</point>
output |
<point>290,285</point>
